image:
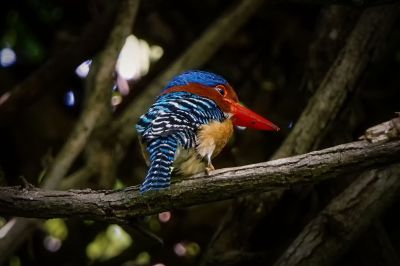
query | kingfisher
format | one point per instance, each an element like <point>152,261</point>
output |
<point>190,122</point>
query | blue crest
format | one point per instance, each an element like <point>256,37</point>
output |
<point>196,76</point>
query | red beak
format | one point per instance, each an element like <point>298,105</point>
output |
<point>246,118</point>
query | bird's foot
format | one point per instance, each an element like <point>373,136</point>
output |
<point>209,168</point>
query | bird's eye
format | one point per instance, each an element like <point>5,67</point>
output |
<point>220,90</point>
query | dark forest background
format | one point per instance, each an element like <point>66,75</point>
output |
<point>277,58</point>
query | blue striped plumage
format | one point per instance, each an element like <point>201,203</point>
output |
<point>172,122</point>
<point>162,153</point>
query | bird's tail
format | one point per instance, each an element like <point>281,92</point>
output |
<point>162,153</point>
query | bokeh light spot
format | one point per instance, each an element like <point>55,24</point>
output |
<point>83,69</point>
<point>135,57</point>
<point>164,216</point>
<point>143,259</point>
<point>7,57</point>
<point>180,249</point>
<point>4,97</point>
<point>193,249</point>
<point>52,244</point>
<point>69,98</point>
<point>116,99</point>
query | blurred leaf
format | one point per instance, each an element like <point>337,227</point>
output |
<point>154,224</point>
<point>56,228</point>
<point>119,184</point>
<point>109,243</point>
<point>15,261</point>
<point>143,258</point>
<point>19,35</point>
<point>192,249</point>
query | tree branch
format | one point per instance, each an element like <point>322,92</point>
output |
<point>314,122</point>
<point>97,105</point>
<point>361,47</point>
<point>54,70</point>
<point>124,205</point>
<point>331,233</point>
<point>197,54</point>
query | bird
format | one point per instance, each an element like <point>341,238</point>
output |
<point>190,122</point>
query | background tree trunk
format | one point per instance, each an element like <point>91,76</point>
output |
<point>324,71</point>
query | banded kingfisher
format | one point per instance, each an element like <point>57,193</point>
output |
<point>189,124</point>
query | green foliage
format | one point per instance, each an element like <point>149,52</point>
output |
<point>56,228</point>
<point>20,36</point>
<point>154,224</point>
<point>143,258</point>
<point>109,243</point>
<point>192,249</point>
<point>119,184</point>
<point>15,261</point>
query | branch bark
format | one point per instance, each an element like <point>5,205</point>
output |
<point>98,102</point>
<point>124,205</point>
<point>325,239</point>
<point>96,107</point>
<point>365,39</point>
<point>195,56</point>
<point>370,31</point>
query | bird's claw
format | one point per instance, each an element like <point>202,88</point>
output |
<point>209,169</point>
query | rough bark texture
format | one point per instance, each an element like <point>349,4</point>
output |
<point>98,102</point>
<point>325,239</point>
<point>119,206</point>
<point>97,106</point>
<point>337,86</point>
<point>103,140</point>
<point>367,36</point>
<point>122,131</point>
<point>374,247</point>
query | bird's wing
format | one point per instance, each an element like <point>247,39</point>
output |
<point>168,123</point>
<point>162,152</point>
<point>177,116</point>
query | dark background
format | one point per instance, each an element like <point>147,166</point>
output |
<point>275,63</point>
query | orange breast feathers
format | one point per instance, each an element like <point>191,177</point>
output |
<point>213,137</point>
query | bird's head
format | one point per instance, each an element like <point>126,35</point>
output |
<point>216,88</point>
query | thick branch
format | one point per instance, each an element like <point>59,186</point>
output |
<point>314,122</point>
<point>97,105</point>
<point>329,235</point>
<point>370,31</point>
<point>119,206</point>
